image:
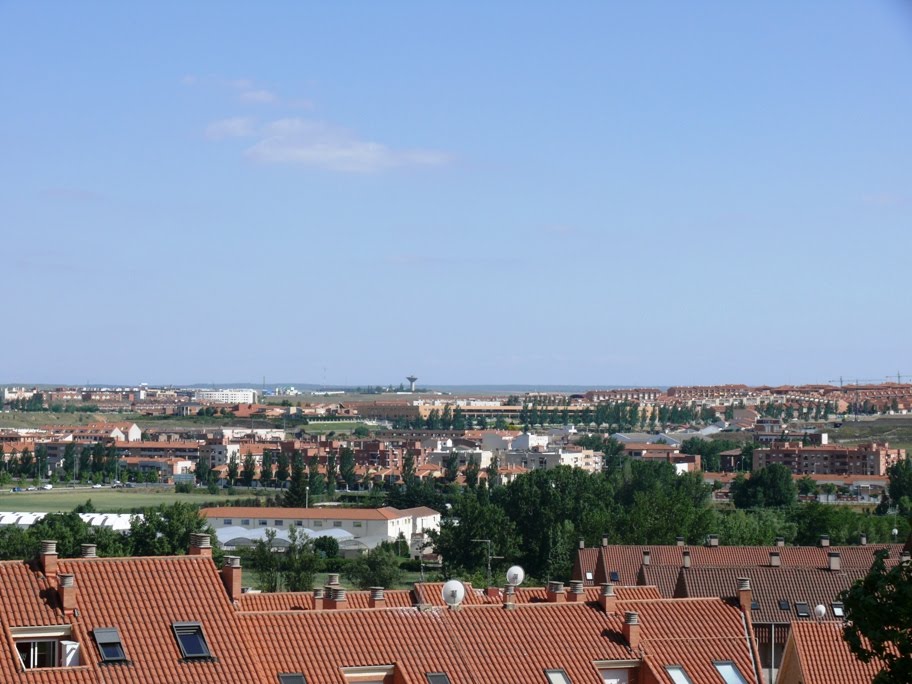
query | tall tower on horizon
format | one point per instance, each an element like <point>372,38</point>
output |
<point>412,380</point>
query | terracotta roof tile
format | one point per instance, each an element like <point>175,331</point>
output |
<point>825,657</point>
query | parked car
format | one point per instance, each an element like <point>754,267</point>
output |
<point>32,488</point>
<point>96,486</point>
<point>47,486</point>
<point>16,489</point>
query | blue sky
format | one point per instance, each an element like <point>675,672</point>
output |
<point>577,193</point>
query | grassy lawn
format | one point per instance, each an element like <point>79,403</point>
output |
<point>897,430</point>
<point>104,500</point>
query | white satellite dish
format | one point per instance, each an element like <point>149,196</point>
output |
<point>820,611</point>
<point>453,593</point>
<point>516,575</point>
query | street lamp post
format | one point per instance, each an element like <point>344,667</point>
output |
<point>306,496</point>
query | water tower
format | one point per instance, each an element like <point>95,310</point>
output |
<point>412,380</point>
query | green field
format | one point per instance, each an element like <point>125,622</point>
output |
<point>104,500</point>
<point>897,430</point>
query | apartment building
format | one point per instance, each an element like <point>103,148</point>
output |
<point>830,459</point>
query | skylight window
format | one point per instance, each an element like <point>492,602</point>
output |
<point>730,673</point>
<point>191,640</point>
<point>615,577</point>
<point>588,576</point>
<point>677,674</point>
<point>802,609</point>
<point>109,644</point>
<point>755,605</point>
<point>438,678</point>
<point>783,604</point>
<point>295,678</point>
<point>838,609</point>
<point>557,677</point>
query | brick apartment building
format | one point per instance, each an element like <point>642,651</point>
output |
<point>830,459</point>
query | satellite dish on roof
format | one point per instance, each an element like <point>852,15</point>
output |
<point>820,611</point>
<point>516,575</point>
<point>453,593</point>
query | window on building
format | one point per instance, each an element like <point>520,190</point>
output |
<point>783,604</point>
<point>838,609</point>
<point>557,677</point>
<point>802,609</point>
<point>227,521</point>
<point>245,521</point>
<point>279,523</point>
<point>730,673</point>
<point>295,678</point>
<point>615,576</point>
<point>262,523</point>
<point>337,523</point>
<point>438,678</point>
<point>45,646</point>
<point>318,523</point>
<point>615,676</point>
<point>588,576</point>
<point>191,640</point>
<point>357,523</point>
<point>299,523</point>
<point>677,674</point>
<point>109,644</point>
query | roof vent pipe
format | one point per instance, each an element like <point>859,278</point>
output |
<point>824,540</point>
<point>775,559</point>
<point>647,556</point>
<point>834,562</point>
<point>679,541</point>
<point>685,558</point>
<point>780,541</point>
<point>88,550</point>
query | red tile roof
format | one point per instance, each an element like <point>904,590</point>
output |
<point>823,656</point>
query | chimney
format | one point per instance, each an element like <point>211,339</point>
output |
<point>318,598</point>
<point>685,558</point>
<point>231,577</point>
<point>679,541</point>
<point>200,545</point>
<point>780,541</point>
<point>582,543</point>
<point>745,596</point>
<point>577,593</point>
<point>377,598</point>
<point>824,540</point>
<point>864,538</point>
<point>509,598</point>
<point>834,562</point>
<point>47,558</point>
<point>66,592</point>
<point>647,556</point>
<point>904,556</point>
<point>332,579</point>
<point>335,598</point>
<point>555,592</point>
<point>632,629</point>
<point>712,540</point>
<point>607,600</point>
<point>89,550</point>
<point>604,540</point>
<point>775,559</point>
<point>492,592</point>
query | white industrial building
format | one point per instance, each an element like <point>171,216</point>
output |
<point>226,396</point>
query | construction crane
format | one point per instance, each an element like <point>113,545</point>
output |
<point>858,381</point>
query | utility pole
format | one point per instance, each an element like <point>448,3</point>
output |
<point>490,556</point>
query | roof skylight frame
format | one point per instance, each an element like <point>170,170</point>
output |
<point>557,676</point>
<point>110,645</point>
<point>802,609</point>
<point>437,677</point>
<point>838,609</point>
<point>729,672</point>
<point>678,674</point>
<point>292,678</point>
<point>191,629</point>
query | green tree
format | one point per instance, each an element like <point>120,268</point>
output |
<point>878,612</point>
<point>451,465</point>
<point>900,486</point>
<point>315,479</point>
<point>233,471</point>
<point>376,568</point>
<point>248,472</point>
<point>361,431</point>
<point>331,475</point>
<point>472,518</point>
<point>326,547</point>
<point>771,486</point>
<point>347,466</point>
<point>299,562</point>
<point>807,486</point>
<point>166,529</point>
<point>471,472</point>
<point>282,473</point>
<point>266,563</point>
<point>266,469</point>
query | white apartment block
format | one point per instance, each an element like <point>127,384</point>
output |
<point>226,396</point>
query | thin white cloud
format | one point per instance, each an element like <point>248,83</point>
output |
<point>259,95</point>
<point>315,144</point>
<point>236,127</point>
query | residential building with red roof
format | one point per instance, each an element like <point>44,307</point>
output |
<point>817,654</point>
<point>180,620</point>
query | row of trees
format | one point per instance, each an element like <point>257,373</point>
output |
<point>539,518</point>
<point>161,531</point>
<point>86,462</point>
